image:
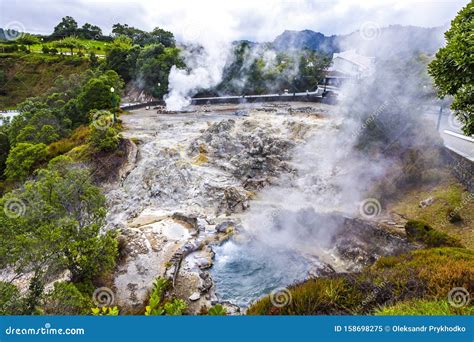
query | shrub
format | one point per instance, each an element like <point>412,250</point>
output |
<point>157,304</point>
<point>10,300</point>
<point>425,308</point>
<point>175,308</point>
<point>322,296</point>
<point>104,139</point>
<point>453,215</point>
<point>105,311</point>
<point>217,310</point>
<point>79,137</point>
<point>23,158</point>
<point>66,299</point>
<point>154,307</point>
<point>418,231</point>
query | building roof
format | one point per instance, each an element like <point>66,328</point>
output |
<point>353,57</point>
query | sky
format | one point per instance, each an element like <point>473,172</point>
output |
<point>256,20</point>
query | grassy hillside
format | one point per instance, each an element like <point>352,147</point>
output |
<point>27,75</point>
<point>96,46</point>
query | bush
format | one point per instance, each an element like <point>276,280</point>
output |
<point>23,158</point>
<point>105,311</point>
<point>10,300</point>
<point>418,231</point>
<point>104,139</point>
<point>175,308</point>
<point>79,137</point>
<point>59,226</point>
<point>158,305</point>
<point>66,299</point>
<point>154,307</point>
<point>217,310</point>
<point>9,48</point>
<point>425,308</point>
<point>453,215</point>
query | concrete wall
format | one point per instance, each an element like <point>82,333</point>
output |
<point>462,168</point>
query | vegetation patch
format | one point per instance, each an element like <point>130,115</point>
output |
<point>29,75</point>
<point>421,232</point>
<point>419,275</point>
<point>425,308</point>
<point>448,198</point>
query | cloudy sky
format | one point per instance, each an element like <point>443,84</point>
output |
<point>257,20</point>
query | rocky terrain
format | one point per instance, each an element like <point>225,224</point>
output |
<point>191,193</point>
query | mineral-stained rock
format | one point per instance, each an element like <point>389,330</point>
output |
<point>233,201</point>
<point>206,281</point>
<point>191,220</point>
<point>224,226</point>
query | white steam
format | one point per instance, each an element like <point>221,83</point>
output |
<point>205,52</point>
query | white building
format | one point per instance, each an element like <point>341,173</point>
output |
<point>350,65</point>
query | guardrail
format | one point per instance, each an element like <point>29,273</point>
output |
<point>287,97</point>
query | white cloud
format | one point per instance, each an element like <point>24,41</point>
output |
<point>245,19</point>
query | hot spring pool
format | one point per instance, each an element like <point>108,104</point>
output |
<point>243,272</point>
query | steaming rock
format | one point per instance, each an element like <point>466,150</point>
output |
<point>168,204</point>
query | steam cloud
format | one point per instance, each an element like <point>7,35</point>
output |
<point>205,67</point>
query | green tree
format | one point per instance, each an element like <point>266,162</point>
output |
<point>66,299</point>
<point>142,38</point>
<point>4,150</point>
<point>121,57</point>
<point>153,67</point>
<point>10,299</point>
<point>71,43</point>
<point>88,31</point>
<point>23,158</point>
<point>41,127</point>
<point>453,67</point>
<point>58,227</point>
<point>67,27</point>
<point>103,137</point>
<point>97,93</point>
<point>28,40</point>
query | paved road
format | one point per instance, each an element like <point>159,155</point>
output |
<point>450,131</point>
